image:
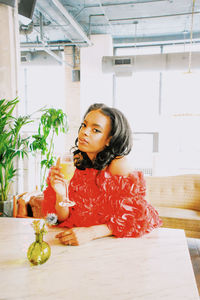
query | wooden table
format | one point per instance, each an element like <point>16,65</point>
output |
<point>156,266</point>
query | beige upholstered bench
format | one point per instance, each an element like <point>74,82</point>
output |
<point>177,199</point>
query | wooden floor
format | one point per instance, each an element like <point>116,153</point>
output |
<point>194,249</point>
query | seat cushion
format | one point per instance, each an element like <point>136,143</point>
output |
<point>180,218</point>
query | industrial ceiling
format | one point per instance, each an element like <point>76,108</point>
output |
<point>58,23</point>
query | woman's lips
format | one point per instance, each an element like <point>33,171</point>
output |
<point>82,141</point>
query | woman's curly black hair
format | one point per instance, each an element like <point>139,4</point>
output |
<point>120,143</point>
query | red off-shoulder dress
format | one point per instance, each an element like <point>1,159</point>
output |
<point>103,198</point>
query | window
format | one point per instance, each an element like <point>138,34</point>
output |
<point>167,104</point>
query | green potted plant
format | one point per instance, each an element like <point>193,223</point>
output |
<point>12,145</point>
<point>52,121</point>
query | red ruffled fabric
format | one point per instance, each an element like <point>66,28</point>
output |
<point>102,198</point>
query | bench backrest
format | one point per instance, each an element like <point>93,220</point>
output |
<point>181,191</point>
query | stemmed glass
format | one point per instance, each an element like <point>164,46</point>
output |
<point>67,169</point>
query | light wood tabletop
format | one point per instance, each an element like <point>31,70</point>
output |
<point>155,266</point>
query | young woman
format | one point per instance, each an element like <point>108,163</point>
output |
<point>109,196</point>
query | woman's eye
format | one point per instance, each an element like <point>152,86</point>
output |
<point>96,130</point>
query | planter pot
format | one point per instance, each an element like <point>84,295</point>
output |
<point>6,207</point>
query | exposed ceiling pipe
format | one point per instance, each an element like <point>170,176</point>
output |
<point>154,17</point>
<point>40,45</point>
<point>123,3</point>
<point>157,40</point>
<point>148,17</point>
<point>122,42</point>
<point>71,20</point>
<point>119,4</point>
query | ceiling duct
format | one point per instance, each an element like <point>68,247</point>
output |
<point>126,65</point>
<point>58,14</point>
<point>26,8</point>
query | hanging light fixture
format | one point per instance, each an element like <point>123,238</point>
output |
<point>135,40</point>
<point>191,36</point>
<point>135,35</point>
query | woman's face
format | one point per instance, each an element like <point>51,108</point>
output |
<point>94,134</point>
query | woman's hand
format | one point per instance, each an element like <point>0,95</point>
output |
<point>57,179</point>
<point>58,184</point>
<point>75,236</point>
<point>81,235</point>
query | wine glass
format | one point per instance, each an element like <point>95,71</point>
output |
<point>67,168</point>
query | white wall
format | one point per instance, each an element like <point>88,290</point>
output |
<point>95,86</point>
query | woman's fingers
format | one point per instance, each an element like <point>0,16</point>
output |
<point>63,233</point>
<point>67,237</point>
<point>75,236</point>
<point>57,179</point>
<point>56,171</point>
<point>58,163</point>
<point>56,176</point>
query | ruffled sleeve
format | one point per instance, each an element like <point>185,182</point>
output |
<point>130,214</point>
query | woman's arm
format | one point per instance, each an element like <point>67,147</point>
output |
<point>99,231</point>
<point>62,211</point>
<point>80,235</point>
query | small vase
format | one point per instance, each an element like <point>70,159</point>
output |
<point>39,251</point>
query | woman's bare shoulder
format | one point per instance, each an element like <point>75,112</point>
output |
<point>120,166</point>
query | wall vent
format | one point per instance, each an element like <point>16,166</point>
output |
<point>75,75</point>
<point>25,57</point>
<point>126,61</point>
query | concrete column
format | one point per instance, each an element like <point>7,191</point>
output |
<point>9,60</point>
<point>9,52</point>
<point>71,56</point>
